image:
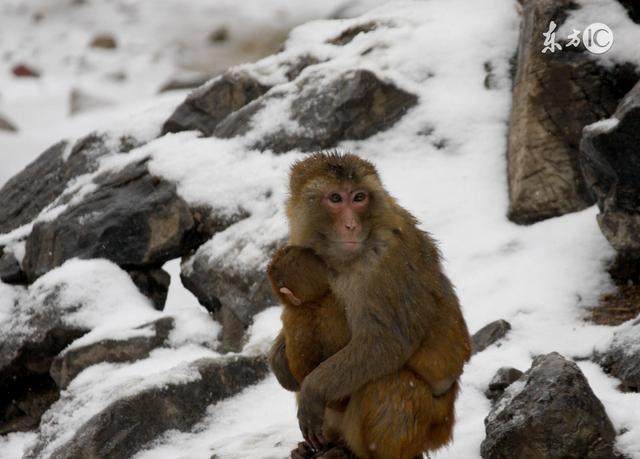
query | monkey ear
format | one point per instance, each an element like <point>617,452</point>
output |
<point>290,296</point>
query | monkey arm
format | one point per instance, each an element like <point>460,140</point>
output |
<point>280,366</point>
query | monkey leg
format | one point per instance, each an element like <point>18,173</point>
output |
<point>397,417</point>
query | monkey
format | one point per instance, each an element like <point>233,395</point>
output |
<point>405,321</point>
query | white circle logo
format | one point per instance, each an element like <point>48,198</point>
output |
<point>597,38</point>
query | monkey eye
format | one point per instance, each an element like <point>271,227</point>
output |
<point>335,197</point>
<point>360,196</point>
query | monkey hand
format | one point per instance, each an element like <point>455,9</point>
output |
<point>290,296</point>
<point>311,407</point>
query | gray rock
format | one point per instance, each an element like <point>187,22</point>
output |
<point>550,412</point>
<point>10,270</point>
<point>488,335</point>
<point>132,219</point>
<point>555,96</point>
<point>208,105</point>
<point>352,106</point>
<point>503,378</point>
<point>6,125</point>
<point>152,283</point>
<point>68,364</point>
<point>232,295</point>
<point>189,81</point>
<point>610,158</point>
<point>25,195</point>
<point>622,358</point>
<point>127,425</point>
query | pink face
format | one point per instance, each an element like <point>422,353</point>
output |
<point>346,207</point>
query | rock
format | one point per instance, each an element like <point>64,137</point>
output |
<point>610,160</point>
<point>488,335</point>
<point>25,71</point>
<point>6,125</point>
<point>205,107</point>
<point>152,283</point>
<point>352,106</point>
<point>69,363</point>
<point>131,218</point>
<point>622,358</point>
<point>349,34</point>
<point>10,271</point>
<point>232,294</point>
<point>188,81</point>
<point>550,411</point>
<point>104,41</point>
<point>503,378</point>
<point>296,66</point>
<point>25,195</point>
<point>81,101</point>
<point>127,425</point>
<point>554,97</point>
<point>219,35</point>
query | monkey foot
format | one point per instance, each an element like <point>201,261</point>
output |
<point>304,451</point>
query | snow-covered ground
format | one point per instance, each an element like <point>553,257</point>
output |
<point>444,161</point>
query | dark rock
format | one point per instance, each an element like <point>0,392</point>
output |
<point>132,219</point>
<point>152,283</point>
<point>503,378</point>
<point>219,35</point>
<point>104,41</point>
<point>555,96</point>
<point>297,66</point>
<point>127,425</point>
<point>10,271</point>
<point>349,34</point>
<point>352,106</point>
<point>633,8</point>
<point>231,295</point>
<point>25,71</point>
<point>622,358</point>
<point>6,125</point>
<point>550,412</point>
<point>205,107</point>
<point>610,159</point>
<point>488,335</point>
<point>25,384</point>
<point>25,195</point>
<point>69,364</point>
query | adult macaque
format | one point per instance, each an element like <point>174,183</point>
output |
<point>408,340</point>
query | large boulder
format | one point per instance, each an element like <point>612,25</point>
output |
<point>610,158</point>
<point>352,105</point>
<point>72,361</point>
<point>554,97</point>
<point>208,105</point>
<point>127,425</point>
<point>622,357</point>
<point>550,411</point>
<point>132,218</point>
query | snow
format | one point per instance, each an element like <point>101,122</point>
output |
<point>444,161</point>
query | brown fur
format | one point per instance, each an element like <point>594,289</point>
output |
<point>407,333</point>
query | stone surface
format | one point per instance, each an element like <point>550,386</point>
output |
<point>610,159</point>
<point>153,283</point>
<point>554,97</point>
<point>132,219</point>
<point>349,34</point>
<point>6,125</point>
<point>549,412</point>
<point>489,334</point>
<point>503,378</point>
<point>127,425</point>
<point>68,364</point>
<point>352,106</point>
<point>208,105</point>
<point>622,358</point>
<point>42,181</point>
<point>232,295</point>
<point>10,271</point>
